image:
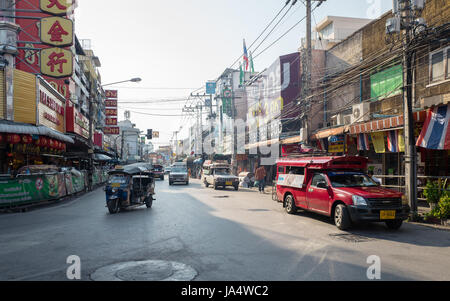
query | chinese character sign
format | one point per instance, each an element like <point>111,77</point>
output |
<point>111,94</point>
<point>56,31</point>
<point>111,103</point>
<point>111,121</point>
<point>111,130</point>
<point>56,7</point>
<point>111,112</point>
<point>56,62</point>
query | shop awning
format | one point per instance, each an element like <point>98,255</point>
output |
<point>383,124</point>
<point>23,128</point>
<point>329,132</point>
<point>261,143</point>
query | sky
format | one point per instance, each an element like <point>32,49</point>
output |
<point>177,46</point>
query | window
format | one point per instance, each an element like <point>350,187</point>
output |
<point>280,169</point>
<point>317,178</point>
<point>439,65</point>
<point>295,170</point>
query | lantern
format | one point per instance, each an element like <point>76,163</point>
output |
<point>43,142</point>
<point>2,138</point>
<point>51,143</point>
<point>13,138</point>
<point>27,139</point>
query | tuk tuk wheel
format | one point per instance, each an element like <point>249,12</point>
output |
<point>148,202</point>
<point>113,206</point>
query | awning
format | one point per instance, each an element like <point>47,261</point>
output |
<point>386,123</point>
<point>261,143</point>
<point>329,132</point>
<point>23,128</point>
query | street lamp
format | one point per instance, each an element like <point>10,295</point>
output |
<point>134,80</point>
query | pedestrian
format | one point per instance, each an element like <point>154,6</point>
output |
<point>260,176</point>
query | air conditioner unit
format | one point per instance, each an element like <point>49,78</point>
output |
<point>347,119</point>
<point>340,119</point>
<point>418,4</point>
<point>360,112</point>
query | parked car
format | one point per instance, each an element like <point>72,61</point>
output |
<point>158,171</point>
<point>178,173</point>
<point>338,187</point>
<point>219,175</point>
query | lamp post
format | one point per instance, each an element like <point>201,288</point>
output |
<point>134,80</point>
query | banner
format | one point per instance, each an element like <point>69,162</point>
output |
<point>378,142</point>
<point>29,189</point>
<point>291,180</point>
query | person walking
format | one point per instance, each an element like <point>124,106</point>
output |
<point>260,176</point>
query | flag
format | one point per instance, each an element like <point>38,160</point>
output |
<point>245,57</point>
<point>363,142</point>
<point>378,142</point>
<point>392,141</point>
<point>241,74</point>
<point>401,141</point>
<point>252,68</point>
<point>322,144</point>
<point>435,132</point>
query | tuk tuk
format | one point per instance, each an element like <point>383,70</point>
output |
<point>132,185</point>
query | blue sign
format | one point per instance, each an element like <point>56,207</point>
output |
<point>210,88</point>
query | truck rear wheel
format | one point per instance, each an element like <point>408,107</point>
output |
<point>342,217</point>
<point>290,204</point>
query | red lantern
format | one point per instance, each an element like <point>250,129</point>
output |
<point>43,142</point>
<point>51,143</point>
<point>13,138</point>
<point>2,138</point>
<point>27,139</point>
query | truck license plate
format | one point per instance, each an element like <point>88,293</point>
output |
<point>387,214</point>
<point>115,185</point>
<point>229,183</point>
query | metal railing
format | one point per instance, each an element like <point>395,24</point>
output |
<point>420,189</point>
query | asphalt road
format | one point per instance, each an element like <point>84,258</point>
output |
<point>223,235</point>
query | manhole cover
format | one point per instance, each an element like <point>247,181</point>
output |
<point>148,270</point>
<point>350,237</point>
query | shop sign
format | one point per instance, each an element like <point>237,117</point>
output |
<point>76,122</point>
<point>51,109</point>
<point>56,31</point>
<point>111,130</point>
<point>111,103</point>
<point>111,121</point>
<point>27,189</point>
<point>110,112</point>
<point>56,62</point>
<point>111,94</point>
<point>56,7</point>
<point>291,180</point>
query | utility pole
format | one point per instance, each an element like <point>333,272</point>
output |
<point>404,13</point>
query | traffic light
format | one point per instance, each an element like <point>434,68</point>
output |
<point>149,134</point>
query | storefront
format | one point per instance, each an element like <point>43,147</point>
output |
<point>36,136</point>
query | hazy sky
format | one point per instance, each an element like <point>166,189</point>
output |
<point>180,44</point>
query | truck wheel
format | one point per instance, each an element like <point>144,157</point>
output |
<point>395,224</point>
<point>342,217</point>
<point>170,182</point>
<point>290,204</point>
<point>148,202</point>
<point>215,186</point>
<point>113,206</point>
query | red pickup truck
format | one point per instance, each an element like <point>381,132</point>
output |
<point>338,187</point>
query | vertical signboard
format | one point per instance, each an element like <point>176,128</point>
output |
<point>111,112</point>
<point>54,31</point>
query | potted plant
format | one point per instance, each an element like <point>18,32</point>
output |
<point>432,192</point>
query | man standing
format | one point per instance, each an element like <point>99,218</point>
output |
<point>260,176</point>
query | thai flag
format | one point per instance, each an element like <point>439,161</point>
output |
<point>363,142</point>
<point>245,56</point>
<point>392,141</point>
<point>435,132</point>
<point>322,144</point>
